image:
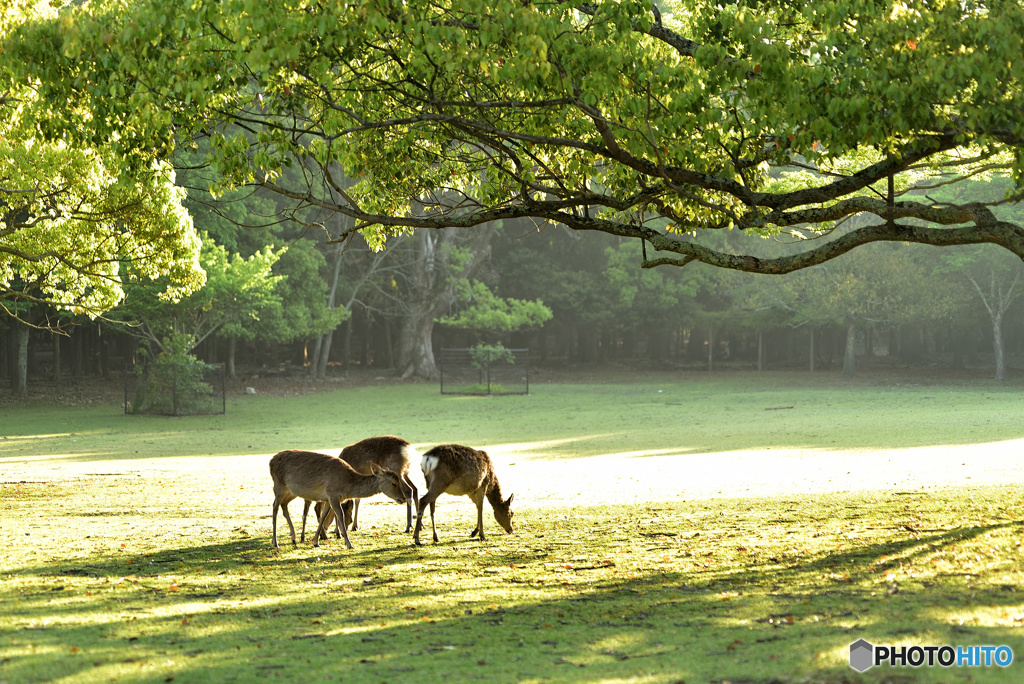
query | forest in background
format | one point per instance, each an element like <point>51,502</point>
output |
<point>280,297</point>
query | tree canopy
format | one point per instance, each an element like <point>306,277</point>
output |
<point>74,223</point>
<point>766,117</point>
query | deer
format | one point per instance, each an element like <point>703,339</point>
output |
<point>460,470</point>
<point>393,453</point>
<point>320,477</point>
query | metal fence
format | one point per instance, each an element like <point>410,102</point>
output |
<point>175,389</point>
<point>485,371</point>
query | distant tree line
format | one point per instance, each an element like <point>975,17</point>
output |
<point>281,298</point>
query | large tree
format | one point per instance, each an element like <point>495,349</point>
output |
<point>75,222</point>
<point>607,116</point>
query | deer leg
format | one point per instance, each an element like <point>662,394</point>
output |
<point>411,503</point>
<point>284,509</point>
<point>348,505</point>
<point>273,537</point>
<point>305,512</point>
<point>433,528</point>
<point>339,513</point>
<point>478,499</point>
<point>427,500</point>
<point>355,514</point>
<point>322,511</point>
<point>419,523</point>
<point>325,521</point>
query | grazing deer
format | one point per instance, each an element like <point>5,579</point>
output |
<point>460,470</point>
<point>393,453</point>
<point>318,477</point>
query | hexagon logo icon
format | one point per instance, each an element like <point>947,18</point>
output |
<point>862,655</point>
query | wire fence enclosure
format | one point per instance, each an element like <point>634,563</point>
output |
<point>175,389</point>
<point>485,371</point>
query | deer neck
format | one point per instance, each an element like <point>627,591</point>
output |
<point>363,486</point>
<point>494,493</point>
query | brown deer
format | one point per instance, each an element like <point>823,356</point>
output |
<point>393,453</point>
<point>318,477</point>
<point>461,470</point>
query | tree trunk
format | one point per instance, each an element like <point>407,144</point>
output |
<point>850,357</point>
<point>695,344</point>
<point>6,362</point>
<point>415,347</point>
<point>760,350</point>
<point>323,346</point>
<point>325,355</point>
<point>232,346</point>
<point>364,341</point>
<point>997,346</point>
<point>998,301</point>
<point>103,355</point>
<point>711,348</point>
<point>76,352</point>
<point>315,356</point>
<point>20,380</point>
<point>346,346</point>
<point>430,295</point>
<point>56,356</point>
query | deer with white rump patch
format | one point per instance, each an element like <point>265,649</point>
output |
<point>318,477</point>
<point>393,453</point>
<point>462,471</point>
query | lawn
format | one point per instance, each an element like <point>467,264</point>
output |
<point>690,528</point>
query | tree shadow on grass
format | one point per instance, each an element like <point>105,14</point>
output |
<point>526,608</point>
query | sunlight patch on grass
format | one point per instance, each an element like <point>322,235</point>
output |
<point>57,457</point>
<point>14,439</point>
<point>538,449</point>
<point>1010,618</point>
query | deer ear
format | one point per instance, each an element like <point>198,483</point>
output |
<point>376,469</point>
<point>508,501</point>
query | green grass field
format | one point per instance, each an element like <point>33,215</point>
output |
<point>138,549</point>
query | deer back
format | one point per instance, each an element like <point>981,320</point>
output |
<point>459,469</point>
<point>310,474</point>
<point>387,451</point>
